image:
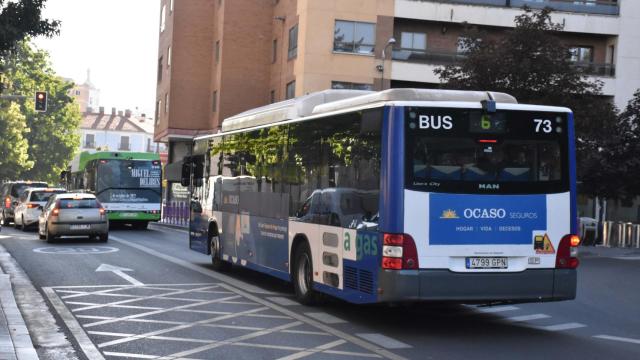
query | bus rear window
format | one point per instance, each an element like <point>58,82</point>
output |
<point>78,204</point>
<point>506,153</point>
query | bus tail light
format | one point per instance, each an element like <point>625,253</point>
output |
<point>7,202</point>
<point>399,252</point>
<point>567,255</point>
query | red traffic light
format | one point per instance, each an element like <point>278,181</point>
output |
<point>41,101</point>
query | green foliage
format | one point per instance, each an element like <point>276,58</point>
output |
<point>533,64</point>
<point>22,18</point>
<point>53,137</point>
<point>13,144</point>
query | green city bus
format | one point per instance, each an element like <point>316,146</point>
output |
<point>128,184</point>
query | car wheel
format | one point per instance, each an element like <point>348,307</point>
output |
<point>103,238</point>
<point>303,275</point>
<point>49,237</point>
<point>216,257</point>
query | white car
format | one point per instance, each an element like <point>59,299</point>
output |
<point>30,206</point>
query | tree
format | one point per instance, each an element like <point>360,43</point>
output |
<point>22,18</point>
<point>629,145</point>
<point>13,144</point>
<point>53,137</point>
<point>533,64</point>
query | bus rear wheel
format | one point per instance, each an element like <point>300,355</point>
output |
<point>303,275</point>
<point>216,257</point>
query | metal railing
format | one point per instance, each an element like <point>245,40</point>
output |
<point>90,145</point>
<point>440,57</point>
<point>604,7</point>
<point>619,234</point>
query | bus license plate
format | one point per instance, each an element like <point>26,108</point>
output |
<point>487,263</point>
<point>80,227</point>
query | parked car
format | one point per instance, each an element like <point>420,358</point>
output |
<point>73,214</point>
<point>30,204</point>
<point>10,192</point>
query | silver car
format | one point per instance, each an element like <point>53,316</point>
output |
<point>73,214</point>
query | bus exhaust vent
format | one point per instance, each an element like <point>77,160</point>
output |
<point>351,277</point>
<point>366,281</point>
<point>358,279</point>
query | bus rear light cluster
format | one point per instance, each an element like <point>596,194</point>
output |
<point>567,255</point>
<point>399,252</point>
<point>7,202</point>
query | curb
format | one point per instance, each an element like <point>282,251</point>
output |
<point>19,334</point>
<point>170,226</point>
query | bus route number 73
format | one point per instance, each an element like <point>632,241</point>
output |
<point>543,125</point>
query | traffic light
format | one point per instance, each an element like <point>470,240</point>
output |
<point>41,101</point>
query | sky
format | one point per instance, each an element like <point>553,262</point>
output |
<point>116,39</point>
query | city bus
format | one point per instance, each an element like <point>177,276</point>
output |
<point>403,195</point>
<point>127,184</point>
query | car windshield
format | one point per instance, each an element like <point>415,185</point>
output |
<point>42,196</point>
<point>78,204</point>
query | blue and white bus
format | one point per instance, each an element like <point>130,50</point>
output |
<point>400,195</point>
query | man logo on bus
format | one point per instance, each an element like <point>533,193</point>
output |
<point>449,214</point>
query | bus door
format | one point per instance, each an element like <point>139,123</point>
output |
<point>198,217</point>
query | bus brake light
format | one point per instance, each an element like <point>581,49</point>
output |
<point>567,255</point>
<point>399,252</point>
<point>7,202</point>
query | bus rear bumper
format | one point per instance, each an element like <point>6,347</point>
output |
<point>445,285</point>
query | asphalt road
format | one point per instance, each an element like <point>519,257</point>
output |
<point>154,298</point>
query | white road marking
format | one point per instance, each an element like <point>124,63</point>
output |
<point>245,290</point>
<point>284,301</point>
<point>497,309</point>
<point>74,327</point>
<point>561,327</point>
<point>129,355</point>
<point>311,351</point>
<point>385,341</point>
<point>528,317</point>
<point>325,318</point>
<point>617,338</point>
<point>120,272</point>
<point>627,258</point>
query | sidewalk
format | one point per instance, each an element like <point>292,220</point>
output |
<point>608,252</point>
<point>15,342</point>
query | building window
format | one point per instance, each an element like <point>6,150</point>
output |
<point>293,42</point>
<point>214,106</point>
<point>77,92</point>
<point>274,51</point>
<point>217,51</point>
<point>124,143</point>
<point>166,103</point>
<point>413,41</point>
<point>90,141</point>
<point>354,37</point>
<point>171,6</point>
<point>149,149</point>
<point>158,107</point>
<point>581,54</point>
<point>163,15</point>
<point>350,85</point>
<point>169,56</point>
<point>160,69</point>
<point>291,90</point>
<point>272,96</point>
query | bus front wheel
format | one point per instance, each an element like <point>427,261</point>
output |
<point>216,257</point>
<point>303,275</point>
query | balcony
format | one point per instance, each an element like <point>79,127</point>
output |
<point>603,7</point>
<point>89,144</point>
<point>438,57</point>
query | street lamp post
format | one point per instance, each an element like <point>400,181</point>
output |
<point>380,67</point>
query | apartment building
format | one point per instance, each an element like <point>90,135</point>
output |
<point>218,58</point>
